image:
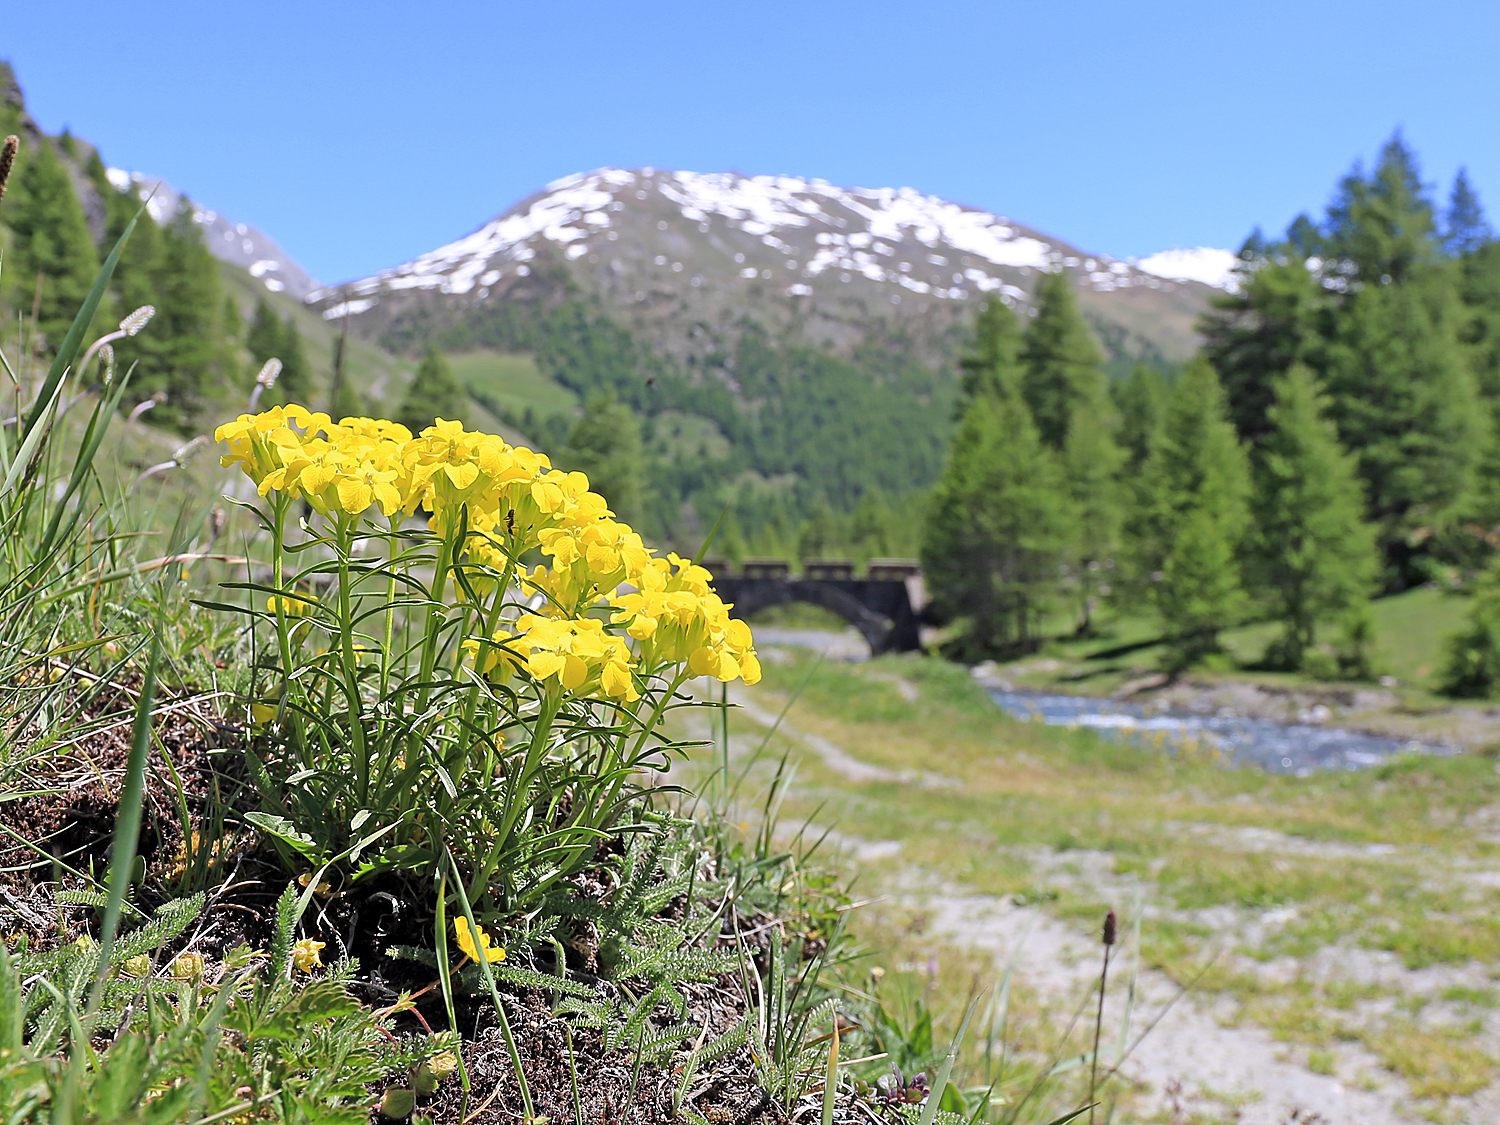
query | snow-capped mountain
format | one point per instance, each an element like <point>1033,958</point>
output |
<point>237,243</point>
<point>698,249</point>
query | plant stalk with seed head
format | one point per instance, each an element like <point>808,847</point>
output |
<point>1108,938</point>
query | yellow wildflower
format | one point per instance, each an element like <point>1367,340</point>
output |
<point>305,955</point>
<point>466,941</point>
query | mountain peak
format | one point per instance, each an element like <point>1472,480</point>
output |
<point>817,228</point>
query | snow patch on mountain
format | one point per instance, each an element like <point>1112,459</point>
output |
<point>1207,264</point>
<point>237,243</point>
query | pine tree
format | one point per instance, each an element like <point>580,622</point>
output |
<point>1472,667</point>
<point>1193,516</point>
<point>606,445</point>
<point>269,336</point>
<point>820,534</point>
<point>1390,359</point>
<point>344,400</point>
<point>433,393</point>
<point>994,534</point>
<point>1315,555</point>
<point>1465,229</point>
<point>51,242</point>
<point>1062,368</point>
<point>1091,462</point>
<point>232,342</point>
<point>1381,227</point>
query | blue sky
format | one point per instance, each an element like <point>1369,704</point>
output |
<point>359,135</point>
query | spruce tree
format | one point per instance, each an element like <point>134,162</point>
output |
<point>1062,368</point>
<point>1193,516</point>
<point>51,242</point>
<point>606,445</point>
<point>1315,555</point>
<point>433,393</point>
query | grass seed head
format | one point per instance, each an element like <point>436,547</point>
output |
<point>1109,928</point>
<point>8,159</point>
<point>137,320</point>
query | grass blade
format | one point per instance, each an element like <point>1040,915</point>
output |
<point>128,821</point>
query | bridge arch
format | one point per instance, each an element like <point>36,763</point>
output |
<point>880,609</point>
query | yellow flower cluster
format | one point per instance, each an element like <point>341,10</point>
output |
<point>511,501</point>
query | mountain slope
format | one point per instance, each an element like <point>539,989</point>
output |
<point>239,244</point>
<point>791,346</point>
<point>684,258</point>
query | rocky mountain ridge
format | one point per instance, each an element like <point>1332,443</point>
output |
<point>684,257</point>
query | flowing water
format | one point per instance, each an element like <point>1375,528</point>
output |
<point>1298,748</point>
<point>1278,747</point>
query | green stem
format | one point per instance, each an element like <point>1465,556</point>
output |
<point>343,539</point>
<point>435,614</point>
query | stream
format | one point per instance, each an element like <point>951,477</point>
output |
<point>1298,748</point>
<point>1278,747</point>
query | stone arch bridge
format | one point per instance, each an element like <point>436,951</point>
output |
<point>884,605</point>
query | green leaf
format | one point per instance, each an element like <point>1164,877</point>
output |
<point>284,830</point>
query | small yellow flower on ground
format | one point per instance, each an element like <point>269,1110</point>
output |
<point>305,955</point>
<point>466,941</point>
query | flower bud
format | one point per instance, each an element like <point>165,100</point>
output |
<point>397,1102</point>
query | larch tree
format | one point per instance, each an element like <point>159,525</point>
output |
<point>1193,517</point>
<point>996,528</point>
<point>1315,556</point>
<point>1062,368</point>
